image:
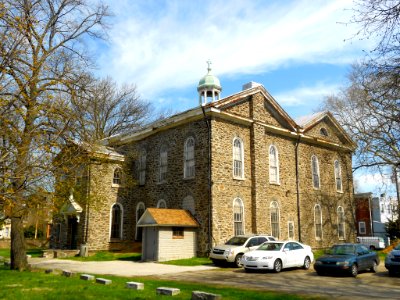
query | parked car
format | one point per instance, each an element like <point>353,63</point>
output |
<point>277,256</point>
<point>372,242</point>
<point>233,250</point>
<point>348,259</point>
<point>392,261</point>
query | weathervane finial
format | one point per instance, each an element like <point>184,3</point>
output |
<point>209,65</point>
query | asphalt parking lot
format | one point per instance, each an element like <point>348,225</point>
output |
<point>366,285</point>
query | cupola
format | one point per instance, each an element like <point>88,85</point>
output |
<point>209,87</point>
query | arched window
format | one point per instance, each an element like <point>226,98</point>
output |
<point>338,176</point>
<point>188,204</point>
<point>188,168</point>
<point>116,221</point>
<point>142,167</point>
<point>140,208</point>
<point>163,164</point>
<point>341,222</point>
<point>318,222</point>
<point>117,178</point>
<point>273,165</point>
<point>315,172</point>
<point>274,218</point>
<point>161,204</point>
<point>238,158</point>
<point>238,212</point>
<point>323,131</point>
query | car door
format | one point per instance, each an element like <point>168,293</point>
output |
<point>252,243</point>
<point>363,257</point>
<point>288,255</point>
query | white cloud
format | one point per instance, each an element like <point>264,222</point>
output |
<point>306,95</point>
<point>375,183</point>
<point>161,45</point>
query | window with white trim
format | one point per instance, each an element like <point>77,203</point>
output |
<point>142,167</point>
<point>163,164</point>
<point>238,212</point>
<point>362,229</point>
<point>341,223</point>
<point>189,163</point>
<point>161,204</point>
<point>116,221</point>
<point>140,208</point>
<point>338,176</point>
<point>117,177</point>
<point>291,230</point>
<point>274,218</point>
<point>273,165</point>
<point>318,222</point>
<point>238,158</point>
<point>315,172</point>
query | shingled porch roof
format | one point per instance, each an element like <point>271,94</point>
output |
<point>167,217</point>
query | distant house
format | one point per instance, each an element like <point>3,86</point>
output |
<point>168,234</point>
<point>238,164</point>
<point>5,230</point>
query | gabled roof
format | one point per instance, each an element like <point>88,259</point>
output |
<point>308,122</point>
<point>167,217</point>
<point>71,207</point>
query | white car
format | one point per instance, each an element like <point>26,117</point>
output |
<point>233,249</point>
<point>278,255</point>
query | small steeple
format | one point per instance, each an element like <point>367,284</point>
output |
<point>209,87</point>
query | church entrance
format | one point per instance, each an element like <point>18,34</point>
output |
<point>72,233</point>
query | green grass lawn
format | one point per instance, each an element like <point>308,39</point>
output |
<point>32,252</point>
<point>107,256</point>
<point>38,285</point>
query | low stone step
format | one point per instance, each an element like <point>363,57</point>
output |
<point>67,273</point>
<point>135,285</point>
<point>103,281</point>
<point>199,295</point>
<point>168,291</point>
<point>87,277</point>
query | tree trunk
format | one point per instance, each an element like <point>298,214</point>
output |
<point>18,248</point>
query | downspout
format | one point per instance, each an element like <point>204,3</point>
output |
<point>209,179</point>
<point>298,186</point>
<point>87,206</point>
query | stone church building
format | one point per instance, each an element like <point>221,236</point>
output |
<point>239,164</point>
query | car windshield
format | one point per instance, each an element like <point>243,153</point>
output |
<point>342,250</point>
<point>236,241</point>
<point>270,246</point>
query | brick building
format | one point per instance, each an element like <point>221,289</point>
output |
<point>239,164</point>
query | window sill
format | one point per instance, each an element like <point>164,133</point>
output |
<point>161,182</point>
<point>275,183</point>
<point>114,185</point>
<point>239,178</point>
<point>189,178</point>
<point>339,192</point>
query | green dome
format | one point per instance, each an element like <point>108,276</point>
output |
<point>209,81</point>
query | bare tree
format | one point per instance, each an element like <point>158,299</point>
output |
<point>369,109</point>
<point>36,88</point>
<point>105,109</point>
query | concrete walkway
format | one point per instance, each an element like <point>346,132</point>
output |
<point>116,267</point>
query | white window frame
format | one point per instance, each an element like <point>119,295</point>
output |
<point>121,208</point>
<point>142,167</point>
<point>291,228</point>
<point>362,227</point>
<point>189,159</point>
<point>161,203</point>
<point>163,164</point>
<point>274,217</point>
<point>318,222</point>
<point>273,165</point>
<point>238,158</point>
<point>341,223</point>
<point>139,206</point>
<point>238,217</point>
<point>338,176</point>
<point>117,177</point>
<point>316,179</point>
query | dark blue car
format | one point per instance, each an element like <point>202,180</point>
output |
<point>347,259</point>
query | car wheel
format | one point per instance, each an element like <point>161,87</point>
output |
<point>277,266</point>
<point>374,267</point>
<point>372,248</point>
<point>307,263</point>
<point>238,260</point>
<point>354,270</point>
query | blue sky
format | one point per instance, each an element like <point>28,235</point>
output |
<point>299,50</point>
